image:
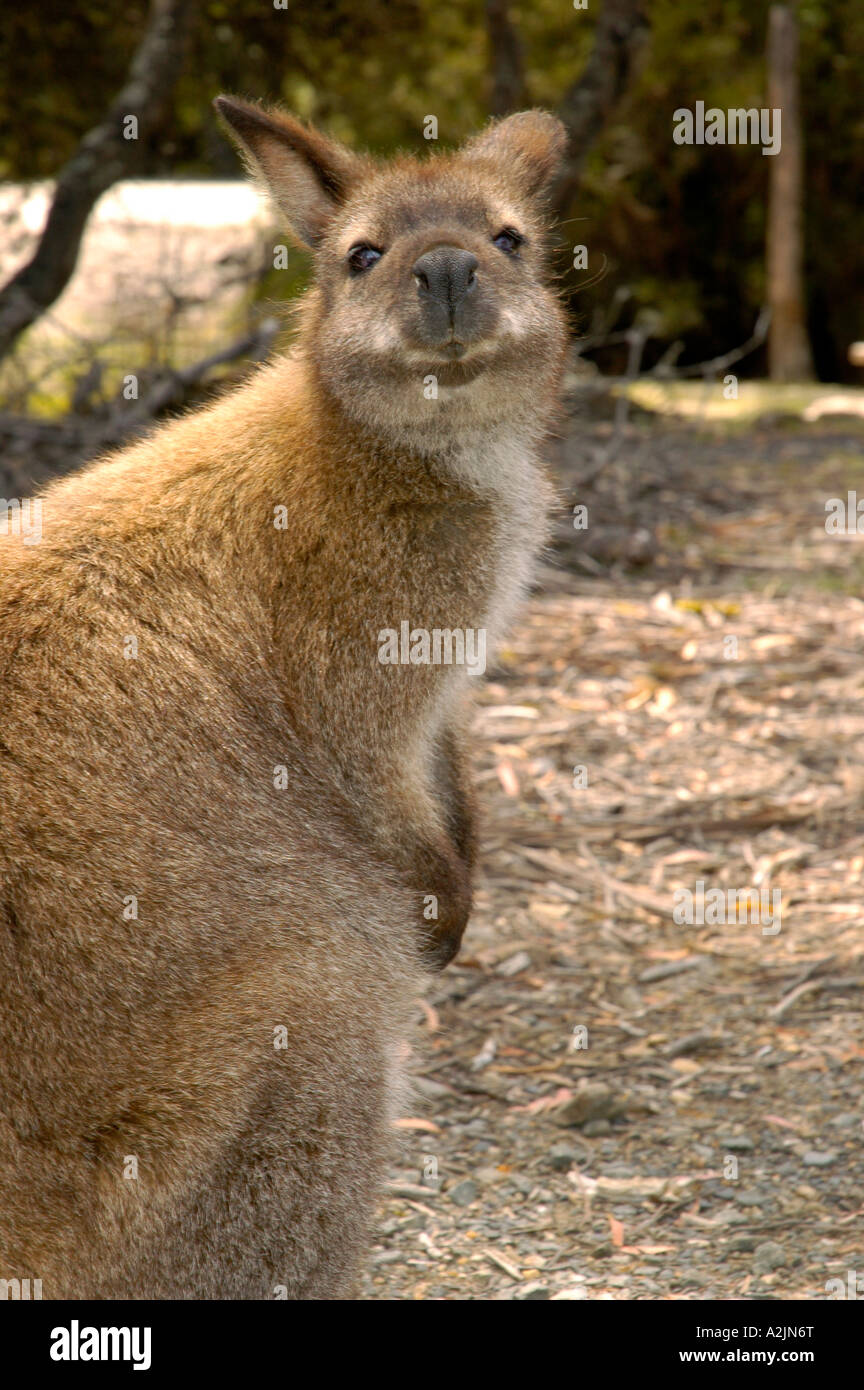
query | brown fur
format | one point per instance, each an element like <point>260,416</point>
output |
<point>261,907</point>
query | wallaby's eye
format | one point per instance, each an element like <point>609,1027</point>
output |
<point>508,241</point>
<point>363,257</point>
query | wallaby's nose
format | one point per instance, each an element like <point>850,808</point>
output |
<point>446,275</point>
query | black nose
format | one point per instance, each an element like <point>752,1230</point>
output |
<point>445,274</point>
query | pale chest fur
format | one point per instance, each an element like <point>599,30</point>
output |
<point>506,470</point>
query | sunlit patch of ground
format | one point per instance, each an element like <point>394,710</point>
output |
<point>694,400</point>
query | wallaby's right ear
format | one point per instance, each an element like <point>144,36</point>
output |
<point>530,145</point>
<point>307,173</point>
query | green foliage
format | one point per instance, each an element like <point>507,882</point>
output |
<point>681,227</point>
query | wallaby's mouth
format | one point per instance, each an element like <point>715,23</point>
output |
<point>453,362</point>
<point>454,369</point>
<point>458,373</point>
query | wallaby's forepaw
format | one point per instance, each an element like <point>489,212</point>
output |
<point>444,908</point>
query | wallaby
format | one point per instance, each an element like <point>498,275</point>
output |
<point>235,819</point>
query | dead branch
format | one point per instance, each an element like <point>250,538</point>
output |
<point>175,386</point>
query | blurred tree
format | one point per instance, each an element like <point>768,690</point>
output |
<point>789,357</point>
<point>507,73</point>
<point>587,105</point>
<point>114,149</point>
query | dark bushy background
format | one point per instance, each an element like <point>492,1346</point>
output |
<point>684,232</point>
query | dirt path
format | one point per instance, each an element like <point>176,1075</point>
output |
<point>702,1137</point>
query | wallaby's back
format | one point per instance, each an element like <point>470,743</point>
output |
<point>159,1136</point>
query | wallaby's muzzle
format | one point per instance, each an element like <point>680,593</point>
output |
<point>446,280</point>
<point>455,301</point>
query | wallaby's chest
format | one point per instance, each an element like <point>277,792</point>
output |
<point>400,595</point>
<point>463,564</point>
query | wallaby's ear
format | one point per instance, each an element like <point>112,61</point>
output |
<point>529,145</point>
<point>307,173</point>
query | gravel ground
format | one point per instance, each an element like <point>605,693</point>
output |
<point>612,1104</point>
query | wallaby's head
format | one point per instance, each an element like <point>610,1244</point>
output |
<point>430,301</point>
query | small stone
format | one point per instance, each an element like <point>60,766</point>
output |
<point>523,1185</point>
<point>474,1127</point>
<point>750,1198</point>
<point>592,1101</point>
<point>745,1244</point>
<point>768,1256</point>
<point>464,1193</point>
<point>416,1223</point>
<point>562,1157</point>
<point>819,1158</point>
<point>577,1293</point>
<point>530,1293</point>
<point>850,1119</point>
<point>736,1143</point>
<point>593,1129</point>
<point>717,1189</point>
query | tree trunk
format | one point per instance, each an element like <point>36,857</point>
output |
<point>104,155</point>
<point>789,356</point>
<point>505,60</point>
<point>622,28</point>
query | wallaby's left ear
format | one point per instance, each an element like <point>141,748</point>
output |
<point>530,144</point>
<point>307,173</point>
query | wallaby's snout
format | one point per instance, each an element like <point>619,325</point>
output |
<point>446,280</point>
